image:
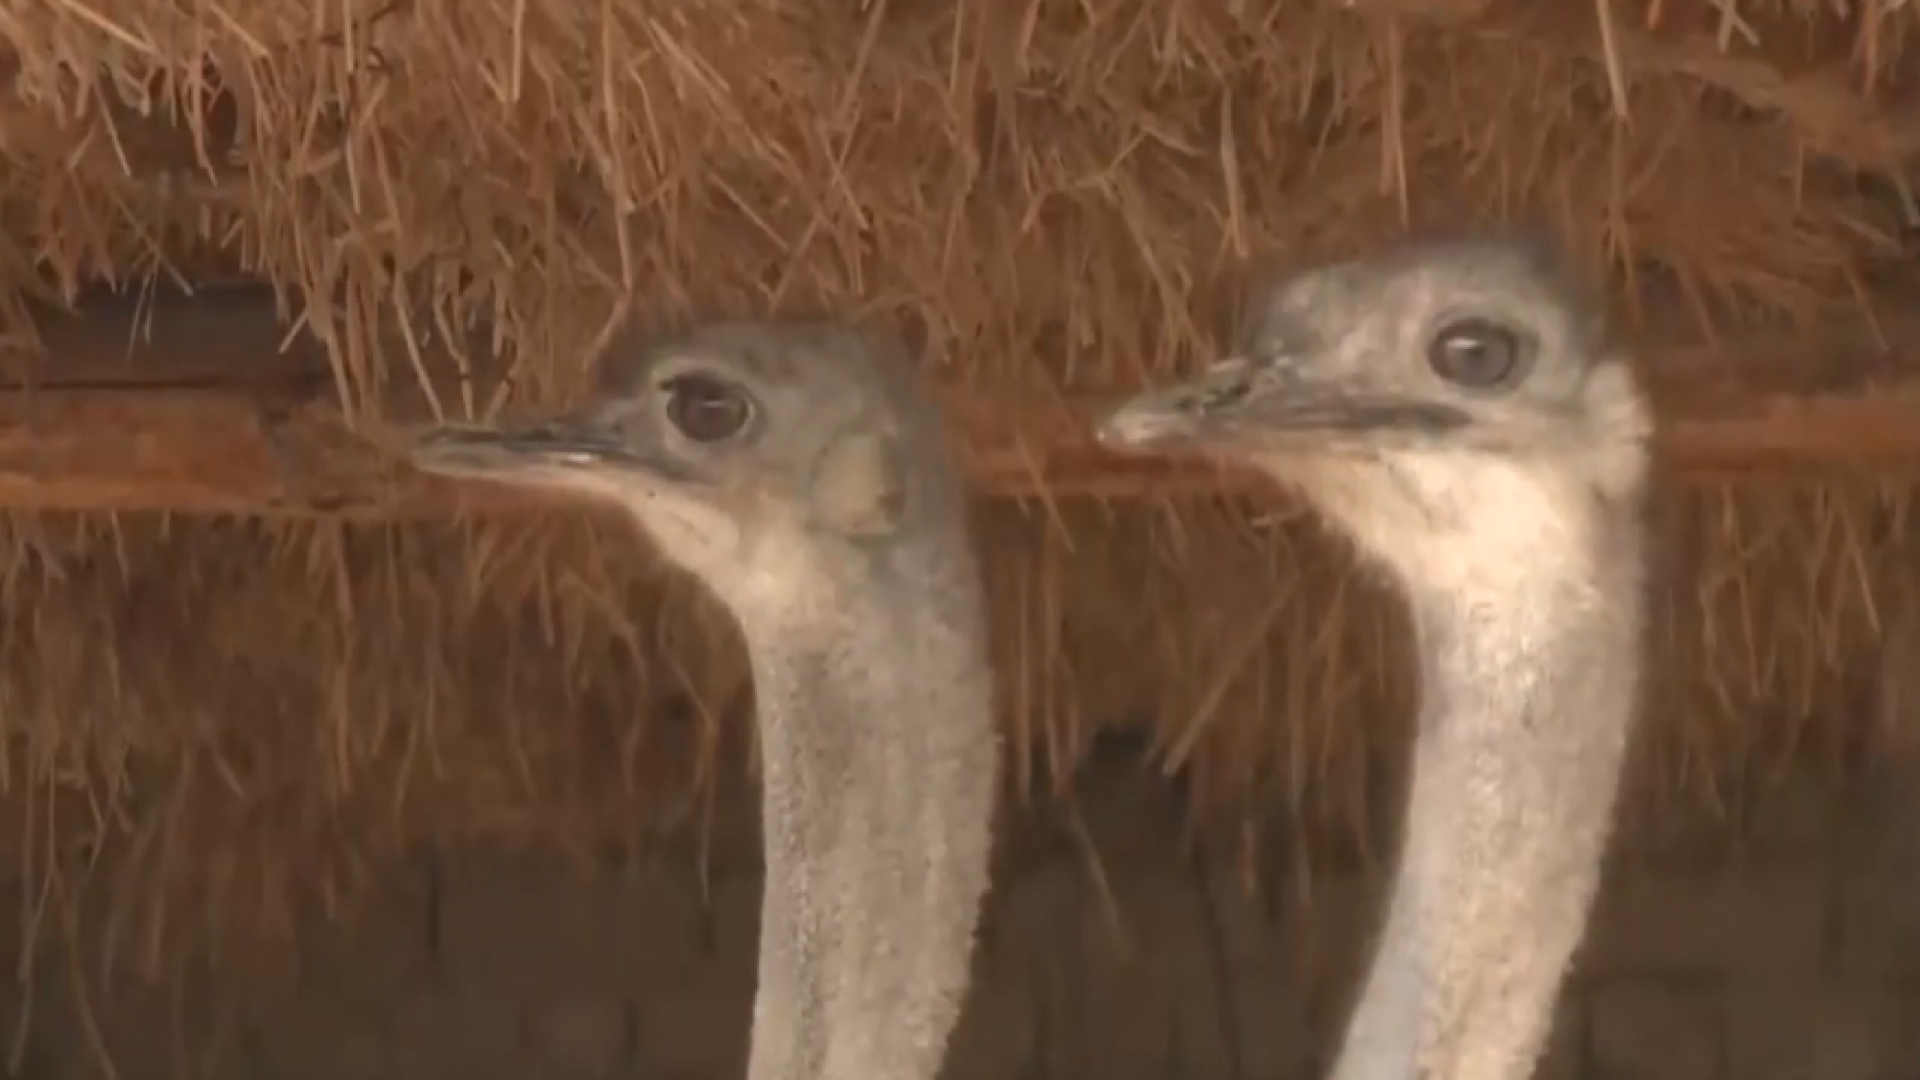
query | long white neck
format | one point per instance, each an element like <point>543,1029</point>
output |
<point>880,769</point>
<point>1530,667</point>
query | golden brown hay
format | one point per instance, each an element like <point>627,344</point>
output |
<point>220,724</point>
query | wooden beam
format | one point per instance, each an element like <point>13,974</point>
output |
<point>208,413</point>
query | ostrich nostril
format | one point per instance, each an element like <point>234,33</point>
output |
<point>1220,396</point>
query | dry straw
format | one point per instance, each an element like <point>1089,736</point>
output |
<point>217,726</point>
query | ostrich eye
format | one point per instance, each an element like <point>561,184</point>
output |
<point>1475,353</point>
<point>706,409</point>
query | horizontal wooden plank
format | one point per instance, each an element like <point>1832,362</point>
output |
<point>207,412</point>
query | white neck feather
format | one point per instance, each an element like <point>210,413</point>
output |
<point>880,768</point>
<point>1526,598</point>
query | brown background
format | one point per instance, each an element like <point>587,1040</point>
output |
<point>1785,949</point>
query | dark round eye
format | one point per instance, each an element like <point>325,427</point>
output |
<point>706,409</point>
<point>1475,353</point>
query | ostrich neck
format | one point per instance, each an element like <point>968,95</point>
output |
<point>879,770</point>
<point>1529,683</point>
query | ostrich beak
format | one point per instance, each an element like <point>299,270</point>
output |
<point>1239,400</point>
<point>510,452</point>
<point>1200,410</point>
<point>560,452</point>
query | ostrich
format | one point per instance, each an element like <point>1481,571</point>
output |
<point>1458,411</point>
<point>795,468</point>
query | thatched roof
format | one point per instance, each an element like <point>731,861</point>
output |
<point>1061,198</point>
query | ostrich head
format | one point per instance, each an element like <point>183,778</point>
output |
<point>1436,394</point>
<point>777,461</point>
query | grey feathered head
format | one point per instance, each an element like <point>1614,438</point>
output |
<point>759,454</point>
<point>1483,345</point>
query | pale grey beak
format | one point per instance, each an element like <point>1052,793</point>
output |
<point>1202,409</point>
<point>533,453</point>
<point>1237,400</point>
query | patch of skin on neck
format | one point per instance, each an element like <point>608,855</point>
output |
<point>859,489</point>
